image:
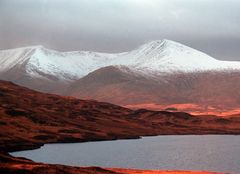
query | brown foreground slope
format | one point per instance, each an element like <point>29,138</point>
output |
<point>30,119</point>
<point>10,165</point>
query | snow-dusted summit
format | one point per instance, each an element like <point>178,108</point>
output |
<point>39,61</point>
<point>156,57</point>
<point>168,57</point>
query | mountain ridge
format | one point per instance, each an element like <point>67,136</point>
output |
<point>160,56</point>
<point>159,72</point>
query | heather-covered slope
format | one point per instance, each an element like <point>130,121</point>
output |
<point>216,92</point>
<point>29,119</point>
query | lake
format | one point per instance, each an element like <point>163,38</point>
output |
<point>220,153</point>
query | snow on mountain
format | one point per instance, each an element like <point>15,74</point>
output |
<point>165,56</point>
<point>38,60</point>
<point>156,57</point>
<point>14,57</point>
<point>66,65</point>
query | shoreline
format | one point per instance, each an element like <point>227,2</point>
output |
<point>15,165</point>
<point>30,119</point>
<point>119,139</point>
<point>38,146</point>
<point>117,170</point>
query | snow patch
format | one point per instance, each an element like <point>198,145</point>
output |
<point>153,58</point>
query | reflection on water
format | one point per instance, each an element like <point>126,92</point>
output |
<point>191,152</point>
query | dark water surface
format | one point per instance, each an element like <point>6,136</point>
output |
<point>189,152</point>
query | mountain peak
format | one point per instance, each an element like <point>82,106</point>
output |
<point>165,43</point>
<point>159,42</point>
<point>37,46</point>
<point>32,47</point>
<point>159,46</point>
<point>155,43</point>
<point>156,56</point>
<point>156,50</point>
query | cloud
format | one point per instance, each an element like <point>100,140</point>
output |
<point>120,25</point>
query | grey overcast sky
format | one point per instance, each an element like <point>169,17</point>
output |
<point>212,26</point>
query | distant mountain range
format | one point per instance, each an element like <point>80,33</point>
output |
<point>160,73</point>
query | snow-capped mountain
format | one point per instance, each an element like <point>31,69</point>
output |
<point>39,61</point>
<point>169,56</point>
<point>155,57</point>
<point>161,72</point>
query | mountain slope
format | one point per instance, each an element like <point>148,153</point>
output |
<point>38,61</point>
<point>159,72</point>
<point>165,56</point>
<point>209,91</point>
<point>114,84</point>
<point>161,56</point>
<point>47,70</point>
<point>30,119</point>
